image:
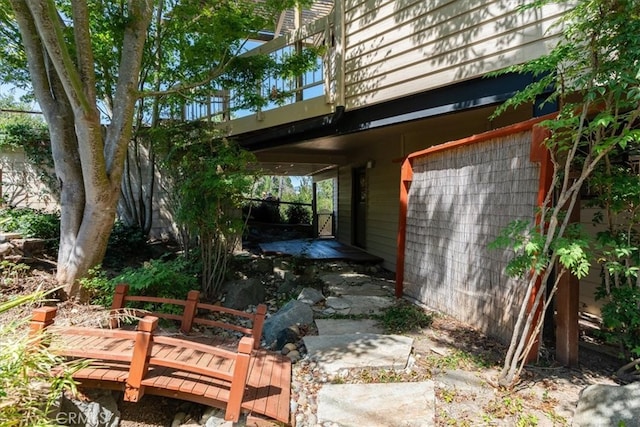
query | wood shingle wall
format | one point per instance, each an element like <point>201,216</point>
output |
<point>458,202</point>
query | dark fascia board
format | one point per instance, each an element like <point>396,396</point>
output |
<point>476,93</point>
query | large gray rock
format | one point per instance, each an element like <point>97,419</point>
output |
<point>100,411</point>
<point>294,312</point>
<point>608,405</point>
<point>310,296</point>
<point>243,293</point>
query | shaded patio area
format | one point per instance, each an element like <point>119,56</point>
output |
<point>318,249</point>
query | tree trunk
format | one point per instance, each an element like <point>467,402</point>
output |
<point>87,162</point>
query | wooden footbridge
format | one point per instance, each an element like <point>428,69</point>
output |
<point>141,361</point>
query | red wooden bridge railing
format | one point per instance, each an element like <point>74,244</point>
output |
<point>143,357</point>
<point>192,307</point>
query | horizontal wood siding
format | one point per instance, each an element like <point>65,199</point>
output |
<point>382,209</point>
<point>394,49</point>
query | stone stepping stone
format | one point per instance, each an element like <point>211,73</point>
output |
<point>359,304</point>
<point>348,326</point>
<point>360,289</point>
<point>336,352</point>
<point>377,405</point>
<point>608,405</point>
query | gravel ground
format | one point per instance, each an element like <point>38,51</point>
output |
<point>546,395</point>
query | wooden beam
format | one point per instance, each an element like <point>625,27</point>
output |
<point>567,308</point>
<point>134,390</point>
<point>258,324</point>
<point>240,374</point>
<point>190,311</point>
<point>117,304</point>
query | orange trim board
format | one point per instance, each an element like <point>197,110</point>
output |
<point>538,154</point>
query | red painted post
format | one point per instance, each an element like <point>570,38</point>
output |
<point>41,318</point>
<point>118,303</point>
<point>190,311</point>
<point>140,359</point>
<point>240,373</point>
<point>258,323</point>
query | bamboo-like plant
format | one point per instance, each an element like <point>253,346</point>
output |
<point>29,387</point>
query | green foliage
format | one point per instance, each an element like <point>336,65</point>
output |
<point>30,133</point>
<point>10,272</point>
<point>404,317</point>
<point>460,359</point>
<point>210,176</point>
<point>125,241</point>
<point>28,388</point>
<point>298,214</point>
<point>621,319</point>
<point>30,222</point>
<point>528,244</point>
<point>19,130</point>
<point>592,75</point>
<point>98,287</point>
<point>156,278</point>
<point>162,278</point>
<point>266,211</point>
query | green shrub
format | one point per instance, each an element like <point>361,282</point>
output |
<point>127,237</point>
<point>125,241</point>
<point>30,222</point>
<point>162,278</point>
<point>297,214</point>
<point>158,278</point>
<point>98,286</point>
<point>10,272</point>
<point>621,320</point>
<point>404,317</point>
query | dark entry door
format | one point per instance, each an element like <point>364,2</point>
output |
<point>359,218</point>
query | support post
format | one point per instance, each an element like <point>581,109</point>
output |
<point>118,303</point>
<point>314,210</point>
<point>140,359</point>
<point>258,323</point>
<point>42,318</point>
<point>190,310</point>
<point>240,373</point>
<point>567,308</point>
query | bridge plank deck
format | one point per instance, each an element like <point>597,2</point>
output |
<point>268,382</point>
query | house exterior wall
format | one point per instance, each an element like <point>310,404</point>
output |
<point>162,220</point>
<point>397,48</point>
<point>593,280</point>
<point>382,197</point>
<point>22,185</point>
<point>458,202</point>
<point>345,181</point>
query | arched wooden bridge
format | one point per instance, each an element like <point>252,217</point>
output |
<point>142,362</point>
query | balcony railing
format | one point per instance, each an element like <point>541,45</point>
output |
<point>320,82</point>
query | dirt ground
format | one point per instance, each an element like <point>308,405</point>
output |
<point>546,395</point>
